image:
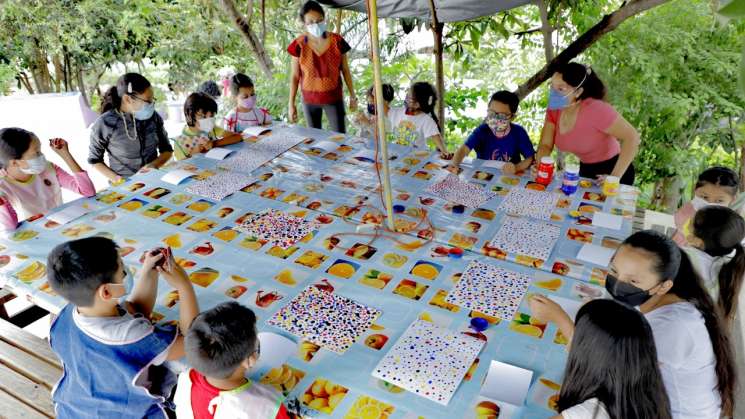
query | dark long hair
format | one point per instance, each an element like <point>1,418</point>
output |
<point>426,95</point>
<point>127,84</point>
<point>579,75</point>
<point>613,358</point>
<point>722,231</point>
<point>672,263</point>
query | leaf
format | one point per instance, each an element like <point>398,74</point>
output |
<point>734,9</point>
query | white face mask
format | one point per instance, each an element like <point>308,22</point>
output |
<point>35,165</point>
<point>206,124</point>
<point>317,29</point>
<point>698,203</point>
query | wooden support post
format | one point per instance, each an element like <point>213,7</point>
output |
<point>437,29</point>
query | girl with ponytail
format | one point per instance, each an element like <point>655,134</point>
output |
<point>128,130</point>
<point>416,122</point>
<point>651,273</point>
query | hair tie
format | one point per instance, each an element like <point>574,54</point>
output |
<point>429,102</point>
<point>129,87</point>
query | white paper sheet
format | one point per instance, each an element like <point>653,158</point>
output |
<point>595,254</point>
<point>603,219</point>
<point>218,153</point>
<point>275,350</point>
<point>494,164</point>
<point>68,214</point>
<point>174,177</point>
<point>255,131</point>
<point>506,383</point>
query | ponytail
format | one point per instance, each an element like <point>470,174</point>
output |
<point>127,84</point>
<point>583,76</point>
<point>730,282</point>
<point>689,286</point>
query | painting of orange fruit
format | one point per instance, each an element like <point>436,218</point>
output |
<point>32,272</point>
<point>204,277</point>
<point>133,204</point>
<point>252,243</point>
<point>343,268</point>
<point>527,325</point>
<point>324,396</point>
<point>200,206</point>
<point>365,407</point>
<point>551,284</point>
<point>311,259</point>
<point>283,378</point>
<point>484,214</point>
<point>177,218</point>
<point>376,279</point>
<point>281,253</point>
<point>410,289</point>
<point>426,270</point>
<point>227,234</point>
<point>487,410</point>
<point>202,225</point>
<point>463,241</point>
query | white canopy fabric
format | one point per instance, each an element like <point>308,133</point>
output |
<point>447,10</point>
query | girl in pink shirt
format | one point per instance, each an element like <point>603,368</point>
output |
<point>579,121</point>
<point>30,184</point>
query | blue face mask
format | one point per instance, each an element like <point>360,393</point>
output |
<point>556,100</point>
<point>127,282</point>
<point>145,112</point>
<point>317,29</point>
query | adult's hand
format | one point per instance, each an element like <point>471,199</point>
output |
<point>292,114</point>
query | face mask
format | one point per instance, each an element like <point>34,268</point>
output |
<point>35,165</point>
<point>499,125</point>
<point>145,112</point>
<point>317,29</point>
<point>371,109</point>
<point>206,124</point>
<point>410,106</point>
<point>625,292</point>
<point>127,283</point>
<point>556,100</point>
<point>248,102</point>
<point>699,203</point>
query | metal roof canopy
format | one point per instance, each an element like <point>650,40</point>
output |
<point>447,10</point>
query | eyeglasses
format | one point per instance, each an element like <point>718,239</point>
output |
<point>150,102</point>
<point>498,115</point>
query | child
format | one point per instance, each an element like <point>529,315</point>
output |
<point>715,186</point>
<point>612,370</point>
<point>200,133</point>
<point>28,183</point>
<point>651,273</point>
<point>718,255</point>
<point>498,138</point>
<point>416,122</point>
<point>366,121</point>
<point>111,353</point>
<point>221,346</point>
<point>245,114</point>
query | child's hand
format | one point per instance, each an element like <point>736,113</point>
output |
<point>174,274</point>
<point>152,257</point>
<point>452,169</point>
<point>446,155</point>
<point>545,309</point>
<point>59,146</point>
<point>508,168</point>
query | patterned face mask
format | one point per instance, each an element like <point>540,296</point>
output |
<point>499,123</point>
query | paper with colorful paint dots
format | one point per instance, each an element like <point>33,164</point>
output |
<point>530,203</point>
<point>279,229</point>
<point>429,361</point>
<point>326,319</point>
<point>453,189</point>
<point>490,290</point>
<point>220,185</point>
<point>519,236</point>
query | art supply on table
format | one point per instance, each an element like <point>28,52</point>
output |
<point>545,171</point>
<point>611,186</point>
<point>570,182</point>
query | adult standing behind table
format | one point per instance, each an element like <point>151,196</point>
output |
<point>580,121</point>
<point>319,59</point>
<point>129,130</point>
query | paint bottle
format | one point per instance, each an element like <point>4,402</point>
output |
<point>611,186</point>
<point>545,171</point>
<point>570,182</point>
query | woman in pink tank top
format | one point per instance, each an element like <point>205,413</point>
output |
<point>580,121</point>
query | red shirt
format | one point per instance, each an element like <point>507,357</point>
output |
<point>320,75</point>
<point>203,392</point>
<point>588,139</point>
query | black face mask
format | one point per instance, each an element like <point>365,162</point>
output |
<point>625,292</point>
<point>371,109</point>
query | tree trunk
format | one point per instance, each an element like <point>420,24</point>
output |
<point>263,22</point>
<point>667,194</point>
<point>339,18</point>
<point>587,39</point>
<point>59,72</point>
<point>81,85</point>
<point>23,79</point>
<point>546,30</point>
<point>437,29</point>
<point>249,36</point>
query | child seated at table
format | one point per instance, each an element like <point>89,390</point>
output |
<point>714,186</point>
<point>245,114</point>
<point>612,369</point>
<point>29,184</point>
<point>111,353</point>
<point>416,122</point>
<point>498,138</point>
<point>366,121</point>
<point>221,346</point>
<point>200,133</point>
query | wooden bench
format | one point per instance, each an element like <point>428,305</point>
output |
<point>28,371</point>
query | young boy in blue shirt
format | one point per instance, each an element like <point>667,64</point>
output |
<point>498,138</point>
<point>111,352</point>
